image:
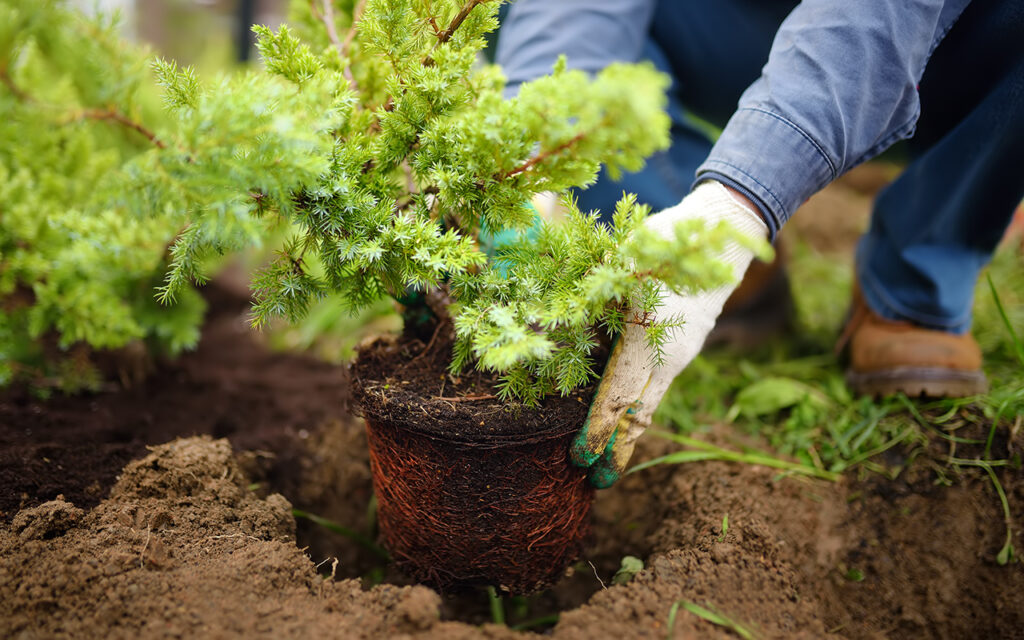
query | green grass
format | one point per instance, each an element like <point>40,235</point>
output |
<point>496,605</point>
<point>344,531</point>
<point>708,614</point>
<point>791,393</point>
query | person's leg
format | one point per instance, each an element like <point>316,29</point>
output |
<point>935,228</point>
<point>712,50</point>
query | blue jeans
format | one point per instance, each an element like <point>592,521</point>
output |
<point>934,228</point>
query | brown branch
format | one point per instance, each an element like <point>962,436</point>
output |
<point>457,21</point>
<point>446,35</point>
<point>410,182</point>
<point>431,19</point>
<point>123,120</point>
<point>542,156</point>
<point>343,47</point>
<point>433,339</point>
<point>357,14</point>
<point>86,114</point>
<point>407,201</point>
<point>5,77</point>
<point>433,24</point>
<point>327,17</point>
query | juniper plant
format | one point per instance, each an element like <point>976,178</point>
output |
<point>388,157</point>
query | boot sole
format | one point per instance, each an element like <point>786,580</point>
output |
<point>930,382</point>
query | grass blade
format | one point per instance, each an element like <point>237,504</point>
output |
<point>1017,344</point>
<point>542,621</point>
<point>708,451</point>
<point>342,530</point>
<point>710,616</point>
<point>673,611</point>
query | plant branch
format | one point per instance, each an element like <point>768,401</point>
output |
<point>407,201</point>
<point>453,26</point>
<point>457,21</point>
<point>542,156</point>
<point>5,77</point>
<point>123,120</point>
<point>357,14</point>
<point>327,17</point>
<point>344,47</point>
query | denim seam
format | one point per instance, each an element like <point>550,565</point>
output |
<point>938,40</point>
<point>763,210</point>
<point>804,134</point>
<point>767,190</point>
<point>892,309</point>
<point>902,132</point>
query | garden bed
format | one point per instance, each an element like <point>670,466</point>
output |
<point>194,540</point>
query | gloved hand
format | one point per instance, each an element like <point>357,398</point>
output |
<point>632,384</point>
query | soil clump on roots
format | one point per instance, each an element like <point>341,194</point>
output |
<point>197,539</point>
<point>471,491</point>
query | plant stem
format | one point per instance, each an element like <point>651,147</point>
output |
<point>457,21</point>
<point>497,607</point>
<point>1005,554</point>
<point>123,120</point>
<point>1017,344</point>
<point>342,530</point>
<point>465,398</point>
<point>543,155</point>
<point>710,616</point>
<point>5,78</point>
<point>536,622</point>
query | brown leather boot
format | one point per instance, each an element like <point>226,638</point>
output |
<point>887,356</point>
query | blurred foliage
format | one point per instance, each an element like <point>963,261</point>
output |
<point>75,268</point>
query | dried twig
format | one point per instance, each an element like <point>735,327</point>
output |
<point>145,545</point>
<point>603,586</point>
<point>343,47</point>
<point>433,339</point>
<point>465,398</point>
<point>453,26</point>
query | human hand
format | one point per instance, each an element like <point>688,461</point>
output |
<point>633,385</point>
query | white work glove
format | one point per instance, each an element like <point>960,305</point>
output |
<point>632,384</point>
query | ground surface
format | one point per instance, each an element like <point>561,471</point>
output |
<point>196,537</point>
<point>197,540</point>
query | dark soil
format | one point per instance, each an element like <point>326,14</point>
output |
<point>231,386</point>
<point>287,415</point>
<point>471,491</point>
<point>407,381</point>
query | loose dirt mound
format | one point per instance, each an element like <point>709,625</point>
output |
<point>183,548</point>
